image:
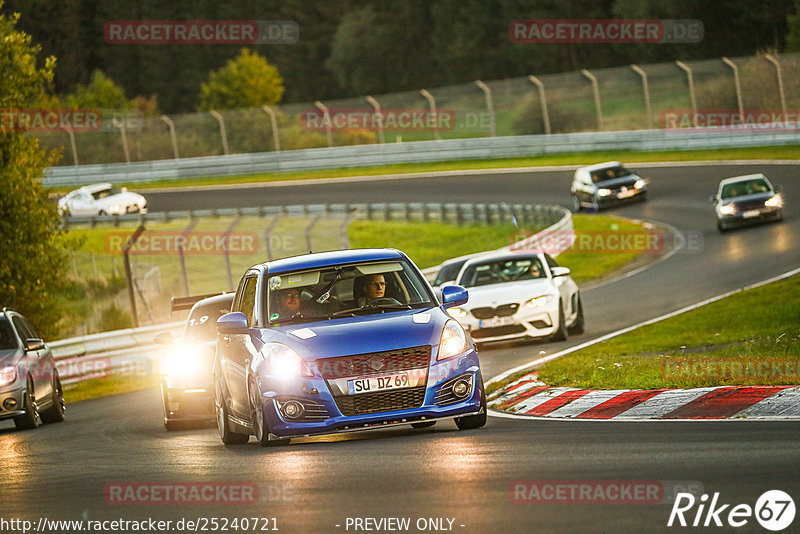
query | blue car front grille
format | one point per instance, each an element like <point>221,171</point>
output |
<point>386,401</point>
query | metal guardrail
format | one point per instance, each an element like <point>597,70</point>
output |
<point>414,152</point>
<point>132,350</point>
<point>117,352</point>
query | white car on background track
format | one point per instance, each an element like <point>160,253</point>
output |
<point>101,199</point>
<point>514,295</point>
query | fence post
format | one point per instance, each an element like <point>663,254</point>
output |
<point>268,235</point>
<point>71,135</point>
<point>273,119</point>
<point>222,132</point>
<point>543,102</point>
<point>432,104</point>
<point>684,67</point>
<point>737,85</point>
<point>772,59</point>
<point>172,135</point>
<point>489,106</point>
<point>182,259</point>
<point>309,228</point>
<point>596,90</point>
<point>327,119</point>
<point>129,275</point>
<point>646,89</point>
<point>378,117</point>
<point>228,230</point>
<point>121,125</point>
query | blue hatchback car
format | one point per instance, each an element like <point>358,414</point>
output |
<point>342,341</point>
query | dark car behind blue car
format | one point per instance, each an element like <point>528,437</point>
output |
<point>347,359</point>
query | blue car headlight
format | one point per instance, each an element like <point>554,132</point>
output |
<point>284,362</point>
<point>453,340</point>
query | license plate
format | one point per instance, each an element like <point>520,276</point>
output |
<point>377,383</point>
<point>496,321</point>
<point>625,194</point>
<point>750,214</point>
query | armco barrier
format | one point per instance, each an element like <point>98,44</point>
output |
<point>415,152</point>
<point>97,355</point>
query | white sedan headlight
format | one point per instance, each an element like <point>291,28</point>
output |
<point>7,375</point>
<point>639,184</point>
<point>774,202</point>
<point>728,209</point>
<point>537,302</point>
<point>456,313</point>
<point>452,342</point>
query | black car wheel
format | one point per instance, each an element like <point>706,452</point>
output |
<point>561,332</point>
<point>578,326</point>
<point>474,421</point>
<point>576,204</point>
<point>55,413</point>
<point>260,426</point>
<point>31,418</point>
<point>228,437</point>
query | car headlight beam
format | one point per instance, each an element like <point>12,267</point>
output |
<point>728,209</point>
<point>452,342</point>
<point>639,184</point>
<point>180,361</point>
<point>603,192</point>
<point>774,202</point>
<point>537,302</point>
<point>285,362</point>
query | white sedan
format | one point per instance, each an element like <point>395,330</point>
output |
<point>101,199</point>
<point>518,295</point>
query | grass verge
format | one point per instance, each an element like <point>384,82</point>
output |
<point>750,338</point>
<point>111,385</point>
<point>770,152</point>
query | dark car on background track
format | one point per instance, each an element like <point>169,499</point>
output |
<point>186,389</point>
<point>745,200</point>
<point>367,346</point>
<point>30,389</point>
<point>605,184</point>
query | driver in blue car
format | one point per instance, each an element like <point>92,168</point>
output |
<point>289,302</point>
<point>375,288</point>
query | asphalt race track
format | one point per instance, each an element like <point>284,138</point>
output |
<point>61,471</point>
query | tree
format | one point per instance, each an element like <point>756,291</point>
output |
<point>32,265</point>
<point>246,81</point>
<point>101,92</point>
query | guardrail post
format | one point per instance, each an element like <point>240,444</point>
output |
<point>327,120</point>
<point>387,212</point>
<point>274,121</point>
<point>378,116</point>
<point>121,125</point>
<point>432,105</point>
<point>543,102</point>
<point>222,132</point>
<point>737,85</point>
<point>646,88</point>
<point>684,67</point>
<point>772,59</point>
<point>489,106</point>
<point>596,91</point>
<point>173,137</point>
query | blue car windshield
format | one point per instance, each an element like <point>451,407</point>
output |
<point>355,289</point>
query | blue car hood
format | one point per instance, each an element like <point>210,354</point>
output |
<point>362,334</point>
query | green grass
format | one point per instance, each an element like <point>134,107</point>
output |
<point>584,158</point>
<point>752,327</point>
<point>111,385</point>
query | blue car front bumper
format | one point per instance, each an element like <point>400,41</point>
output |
<point>324,412</point>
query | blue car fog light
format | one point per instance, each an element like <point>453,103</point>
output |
<point>461,388</point>
<point>292,410</point>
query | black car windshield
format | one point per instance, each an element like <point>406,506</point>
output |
<point>7,338</point>
<point>609,173</point>
<point>448,272</point>
<point>745,187</point>
<point>501,271</point>
<point>202,323</point>
<point>355,289</point>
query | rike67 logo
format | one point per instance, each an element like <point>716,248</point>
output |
<point>774,510</point>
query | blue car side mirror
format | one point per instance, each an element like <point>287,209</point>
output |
<point>454,296</point>
<point>232,323</point>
